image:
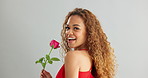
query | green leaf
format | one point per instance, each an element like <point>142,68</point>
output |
<point>41,59</point>
<point>55,59</point>
<point>37,61</point>
<point>43,65</point>
<point>47,57</point>
<point>50,62</point>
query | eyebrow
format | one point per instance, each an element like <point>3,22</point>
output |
<point>73,25</point>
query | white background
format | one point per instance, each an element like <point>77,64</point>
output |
<point>27,26</point>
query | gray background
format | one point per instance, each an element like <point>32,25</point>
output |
<point>27,26</point>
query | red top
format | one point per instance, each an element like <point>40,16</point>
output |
<point>61,74</point>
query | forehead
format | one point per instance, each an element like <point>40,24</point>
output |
<point>75,19</point>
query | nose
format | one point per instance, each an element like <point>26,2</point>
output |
<point>69,32</point>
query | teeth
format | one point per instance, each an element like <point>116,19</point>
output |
<point>71,38</point>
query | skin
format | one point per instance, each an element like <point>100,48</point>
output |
<point>78,60</point>
<point>75,28</point>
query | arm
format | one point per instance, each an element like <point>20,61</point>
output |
<point>72,65</point>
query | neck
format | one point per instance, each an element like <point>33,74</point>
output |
<point>83,49</point>
<point>80,49</point>
<point>83,46</point>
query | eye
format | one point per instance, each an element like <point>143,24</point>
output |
<point>67,28</point>
<point>76,28</point>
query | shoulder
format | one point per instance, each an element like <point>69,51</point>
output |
<point>73,55</point>
<point>76,57</point>
<point>72,64</point>
<point>78,60</point>
<point>76,54</point>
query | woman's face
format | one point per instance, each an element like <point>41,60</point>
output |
<point>75,32</point>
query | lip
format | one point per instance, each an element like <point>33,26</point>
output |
<point>70,41</point>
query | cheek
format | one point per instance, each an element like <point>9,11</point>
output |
<point>66,34</point>
<point>78,34</point>
<point>84,36</point>
<point>81,35</point>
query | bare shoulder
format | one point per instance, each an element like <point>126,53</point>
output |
<point>77,57</point>
<point>72,64</point>
<point>79,60</point>
<point>73,55</point>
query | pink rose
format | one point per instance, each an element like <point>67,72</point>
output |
<point>54,44</point>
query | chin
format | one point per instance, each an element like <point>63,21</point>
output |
<point>72,46</point>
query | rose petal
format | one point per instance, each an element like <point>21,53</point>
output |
<point>55,44</point>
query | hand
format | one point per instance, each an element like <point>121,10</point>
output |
<point>45,74</point>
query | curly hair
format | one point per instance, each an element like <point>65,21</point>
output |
<point>98,47</point>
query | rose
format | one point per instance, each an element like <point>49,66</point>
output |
<point>44,60</point>
<point>54,44</point>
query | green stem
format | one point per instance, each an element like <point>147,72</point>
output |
<point>50,51</point>
<point>45,60</point>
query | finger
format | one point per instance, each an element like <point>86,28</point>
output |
<point>42,70</point>
<point>47,74</point>
<point>42,75</point>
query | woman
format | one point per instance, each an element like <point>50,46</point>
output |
<point>92,56</point>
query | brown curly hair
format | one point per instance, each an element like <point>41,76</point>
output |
<point>98,47</point>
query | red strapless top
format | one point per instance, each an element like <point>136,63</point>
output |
<point>61,74</point>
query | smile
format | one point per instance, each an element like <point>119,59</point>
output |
<point>70,40</point>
